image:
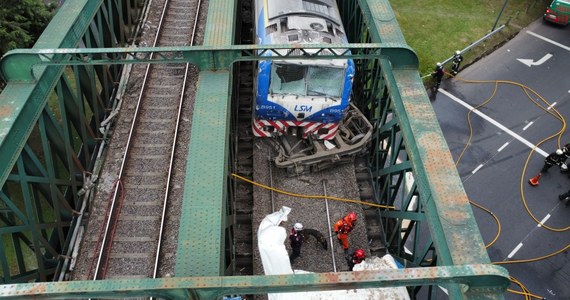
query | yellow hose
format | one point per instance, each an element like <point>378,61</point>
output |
<point>310,196</point>
<point>532,259</point>
<point>496,221</point>
<point>552,112</point>
<point>525,292</point>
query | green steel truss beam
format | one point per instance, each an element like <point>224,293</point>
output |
<point>20,65</point>
<point>412,167</point>
<point>476,279</point>
<point>49,134</point>
<point>411,160</point>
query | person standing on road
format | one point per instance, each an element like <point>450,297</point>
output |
<point>457,59</point>
<point>437,74</point>
<point>296,239</point>
<point>566,151</point>
<point>556,158</point>
<point>343,228</point>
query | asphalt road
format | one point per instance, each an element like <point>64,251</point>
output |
<point>503,136</point>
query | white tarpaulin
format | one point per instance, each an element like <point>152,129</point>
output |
<point>271,242</point>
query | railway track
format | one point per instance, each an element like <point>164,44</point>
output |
<point>318,214</point>
<point>243,164</point>
<point>254,160</point>
<point>129,242</point>
<point>135,229</point>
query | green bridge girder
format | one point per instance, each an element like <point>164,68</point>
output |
<point>79,60</point>
<point>479,279</point>
<point>19,65</point>
<point>46,150</point>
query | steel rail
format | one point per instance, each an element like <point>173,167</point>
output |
<point>329,224</point>
<point>169,176</point>
<point>270,163</point>
<point>128,148</point>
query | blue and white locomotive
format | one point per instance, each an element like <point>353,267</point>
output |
<point>311,96</point>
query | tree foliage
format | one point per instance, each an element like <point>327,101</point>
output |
<point>22,22</point>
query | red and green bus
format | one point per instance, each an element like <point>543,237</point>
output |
<point>558,12</point>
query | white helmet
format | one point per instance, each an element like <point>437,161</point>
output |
<point>457,52</point>
<point>559,152</point>
<point>298,226</point>
<point>438,64</point>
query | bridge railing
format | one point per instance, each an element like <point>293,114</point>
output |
<point>51,135</point>
<point>48,153</point>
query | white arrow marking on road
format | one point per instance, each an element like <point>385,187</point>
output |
<point>530,62</point>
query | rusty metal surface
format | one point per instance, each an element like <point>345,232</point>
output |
<point>447,210</point>
<point>489,278</point>
<point>21,65</point>
<point>382,17</point>
<point>221,20</point>
<point>450,216</point>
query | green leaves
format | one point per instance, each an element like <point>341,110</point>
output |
<point>22,22</point>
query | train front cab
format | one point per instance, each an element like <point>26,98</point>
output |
<point>311,95</point>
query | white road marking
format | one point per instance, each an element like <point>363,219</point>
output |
<point>544,220</point>
<point>549,40</point>
<point>477,169</point>
<point>528,125</point>
<point>515,250</point>
<point>492,121</point>
<point>552,105</point>
<point>531,62</point>
<point>532,232</point>
<point>503,147</point>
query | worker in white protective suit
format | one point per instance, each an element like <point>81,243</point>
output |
<point>270,240</point>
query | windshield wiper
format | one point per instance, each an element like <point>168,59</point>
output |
<point>316,93</point>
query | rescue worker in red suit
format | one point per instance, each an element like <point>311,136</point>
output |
<point>343,227</point>
<point>355,258</point>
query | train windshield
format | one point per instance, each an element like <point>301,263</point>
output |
<point>307,80</point>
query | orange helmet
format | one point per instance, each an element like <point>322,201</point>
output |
<point>359,253</point>
<point>351,216</point>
